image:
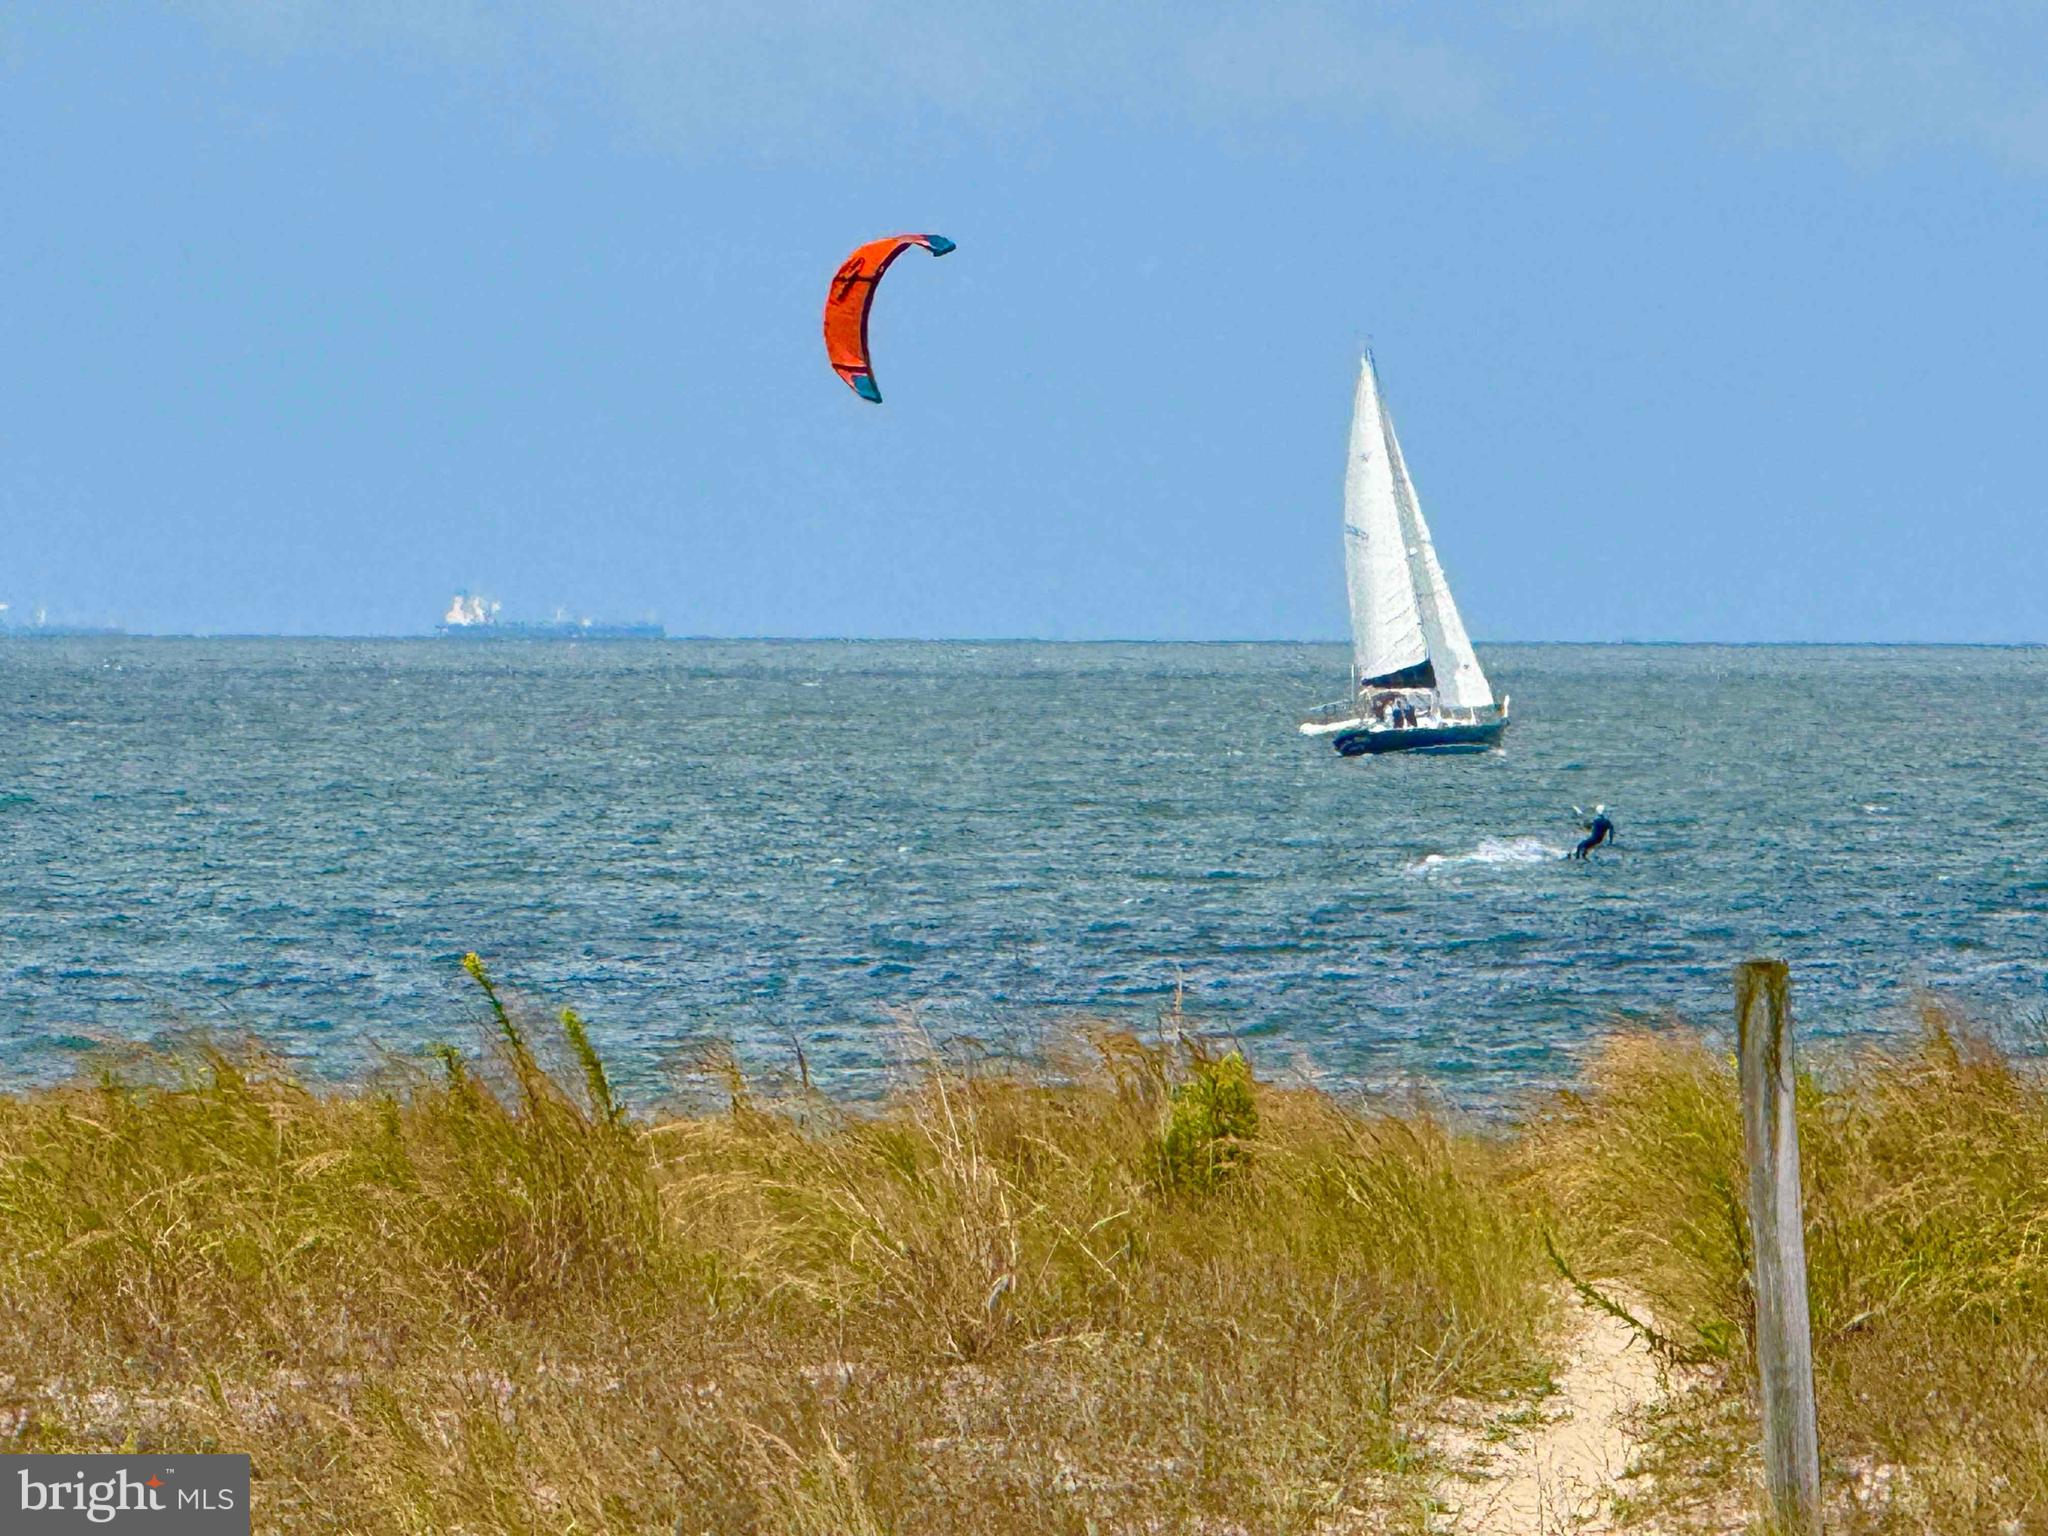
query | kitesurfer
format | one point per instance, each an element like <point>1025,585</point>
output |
<point>1599,830</point>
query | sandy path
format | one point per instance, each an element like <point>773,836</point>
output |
<point>1559,1469</point>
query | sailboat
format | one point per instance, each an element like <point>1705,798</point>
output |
<point>1416,684</point>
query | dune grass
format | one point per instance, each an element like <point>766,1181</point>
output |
<point>1133,1289</point>
<point>1925,1175</point>
<point>1140,1292</point>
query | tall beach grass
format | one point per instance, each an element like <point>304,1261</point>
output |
<point>1133,1289</point>
<point>1140,1292</point>
<point>1925,1173</point>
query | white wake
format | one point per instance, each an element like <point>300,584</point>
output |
<point>1493,850</point>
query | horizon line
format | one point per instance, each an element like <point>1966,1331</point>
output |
<point>117,634</point>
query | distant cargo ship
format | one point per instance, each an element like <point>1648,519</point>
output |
<point>475,618</point>
<point>39,625</point>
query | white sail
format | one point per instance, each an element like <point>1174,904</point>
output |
<point>1386,623</point>
<point>1460,684</point>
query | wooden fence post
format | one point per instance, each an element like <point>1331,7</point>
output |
<point>1784,1333</point>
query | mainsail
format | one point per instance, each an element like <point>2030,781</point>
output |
<point>1387,643</point>
<point>1405,628</point>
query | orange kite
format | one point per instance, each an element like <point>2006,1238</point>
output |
<point>853,295</point>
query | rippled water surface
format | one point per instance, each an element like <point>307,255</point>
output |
<point>775,841</point>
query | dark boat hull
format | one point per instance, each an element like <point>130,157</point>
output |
<point>1479,737</point>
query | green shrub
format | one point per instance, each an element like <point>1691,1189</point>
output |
<point>1210,1126</point>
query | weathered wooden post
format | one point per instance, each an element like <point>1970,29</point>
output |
<point>1784,1333</point>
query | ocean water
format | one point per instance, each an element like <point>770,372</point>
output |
<point>781,842</point>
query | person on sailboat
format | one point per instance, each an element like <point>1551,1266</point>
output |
<point>1599,830</point>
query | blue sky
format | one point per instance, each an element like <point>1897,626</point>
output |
<point>1700,321</point>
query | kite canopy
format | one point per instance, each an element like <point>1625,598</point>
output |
<point>851,297</point>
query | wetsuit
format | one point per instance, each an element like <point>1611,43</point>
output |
<point>1599,830</point>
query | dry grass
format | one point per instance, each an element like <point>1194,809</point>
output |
<point>1926,1189</point>
<point>1134,1291</point>
<point>1141,1294</point>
